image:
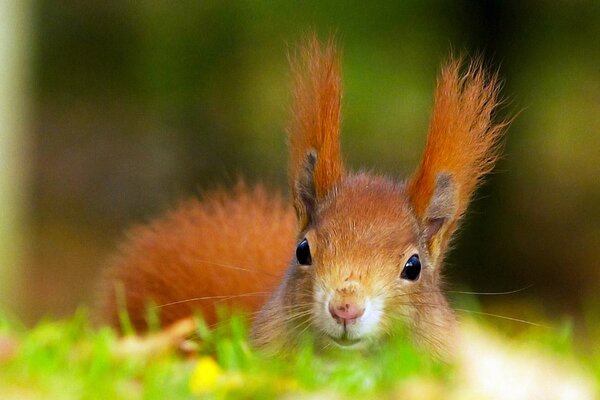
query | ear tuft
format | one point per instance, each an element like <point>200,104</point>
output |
<point>315,124</point>
<point>462,147</point>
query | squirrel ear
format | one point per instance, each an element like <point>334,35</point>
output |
<point>313,134</point>
<point>462,146</point>
<point>305,195</point>
<point>440,214</point>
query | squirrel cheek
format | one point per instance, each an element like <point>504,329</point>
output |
<point>371,319</point>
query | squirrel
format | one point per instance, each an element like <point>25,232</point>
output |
<point>351,255</point>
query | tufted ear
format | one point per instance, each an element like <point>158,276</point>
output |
<point>305,191</point>
<point>313,135</point>
<point>440,217</point>
<point>462,146</point>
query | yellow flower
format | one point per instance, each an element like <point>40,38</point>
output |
<point>205,375</point>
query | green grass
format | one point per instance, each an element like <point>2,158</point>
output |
<point>68,359</point>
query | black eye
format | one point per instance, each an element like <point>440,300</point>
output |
<point>303,253</point>
<point>412,268</point>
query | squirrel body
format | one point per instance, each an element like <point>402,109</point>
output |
<point>354,255</point>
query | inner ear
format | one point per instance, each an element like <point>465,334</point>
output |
<point>442,206</point>
<point>306,195</point>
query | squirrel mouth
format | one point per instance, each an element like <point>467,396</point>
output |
<point>344,340</point>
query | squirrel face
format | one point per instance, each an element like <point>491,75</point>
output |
<point>367,262</point>
<point>361,240</point>
<point>363,268</point>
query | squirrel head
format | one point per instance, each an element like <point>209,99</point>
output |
<point>370,250</point>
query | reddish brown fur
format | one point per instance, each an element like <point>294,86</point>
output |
<point>315,117</point>
<point>462,138</point>
<point>225,245</point>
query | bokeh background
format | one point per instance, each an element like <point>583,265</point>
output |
<point>117,109</point>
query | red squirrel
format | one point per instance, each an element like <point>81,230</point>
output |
<point>351,255</point>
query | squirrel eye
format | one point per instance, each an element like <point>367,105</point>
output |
<point>412,268</point>
<point>303,253</point>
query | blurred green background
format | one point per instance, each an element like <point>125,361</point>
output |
<point>133,105</point>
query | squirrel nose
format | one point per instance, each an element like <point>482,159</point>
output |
<point>346,312</point>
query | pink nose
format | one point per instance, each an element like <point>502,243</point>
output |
<point>346,313</point>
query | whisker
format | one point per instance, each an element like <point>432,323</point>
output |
<point>301,312</point>
<point>433,305</point>
<point>502,317</point>
<point>228,266</point>
<point>222,297</point>
<point>508,292</point>
<point>293,317</point>
<point>308,323</point>
<point>492,293</point>
<point>432,341</point>
<point>417,303</point>
<point>399,318</point>
<point>396,295</point>
<point>326,346</point>
<point>290,307</point>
